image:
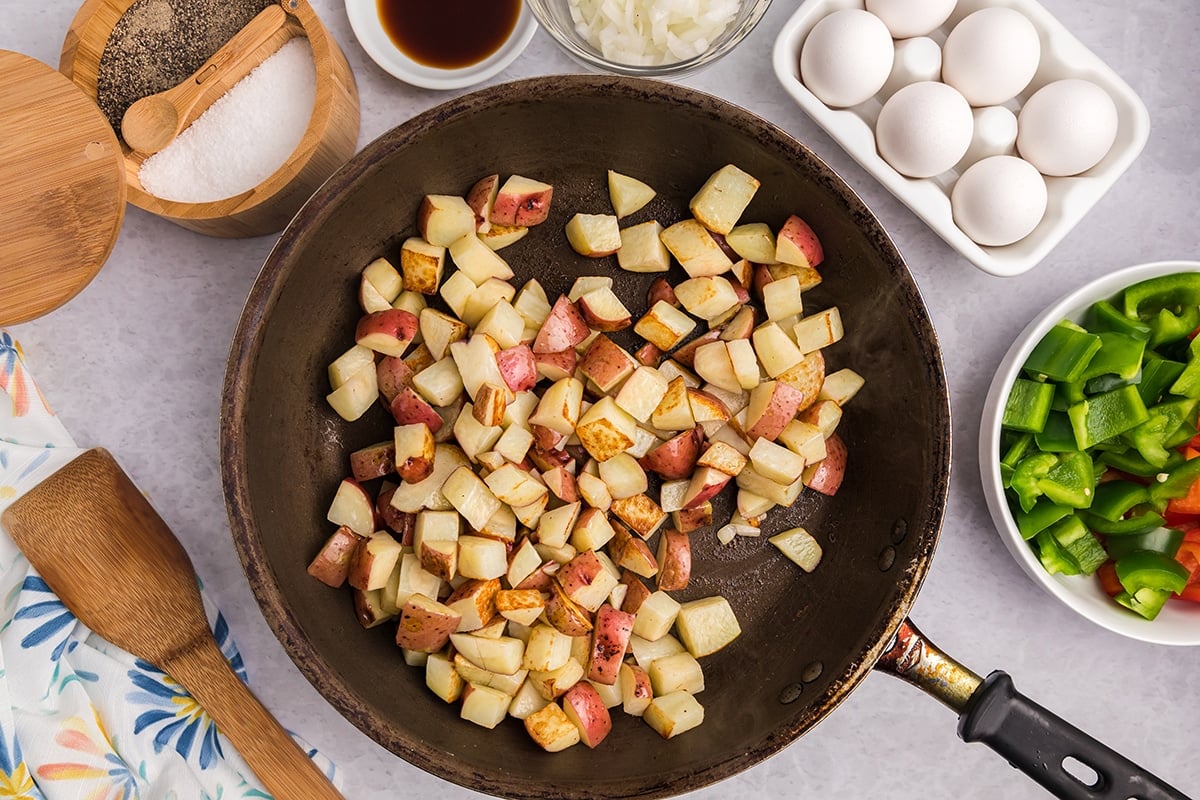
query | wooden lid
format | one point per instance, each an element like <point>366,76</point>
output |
<point>64,189</point>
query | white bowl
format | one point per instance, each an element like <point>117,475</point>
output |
<point>368,29</point>
<point>1063,56</point>
<point>1179,621</point>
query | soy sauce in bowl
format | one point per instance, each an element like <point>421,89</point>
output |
<point>449,34</point>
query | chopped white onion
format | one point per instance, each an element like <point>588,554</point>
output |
<point>651,32</point>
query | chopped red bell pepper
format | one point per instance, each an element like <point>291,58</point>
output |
<point>1109,582</point>
<point>1189,557</point>
<point>1190,502</point>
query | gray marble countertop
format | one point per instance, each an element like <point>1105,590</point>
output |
<point>136,363</point>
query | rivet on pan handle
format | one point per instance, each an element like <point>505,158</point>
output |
<point>1032,739</point>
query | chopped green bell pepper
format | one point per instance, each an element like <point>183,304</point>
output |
<point>1071,481</point>
<point>1140,523</point>
<point>1119,354</point>
<point>1044,513</point>
<point>1079,544</point>
<point>1174,483</point>
<point>1159,540</point>
<point>1163,420</point>
<point>1057,435</point>
<point>1113,499</point>
<point>1027,476</point>
<point>1168,304</point>
<point>1104,316</point>
<point>1188,382</point>
<point>1063,353</point>
<point>1104,416</point>
<point>1144,569</point>
<point>1027,406</point>
<point>1146,602</point>
<point>1130,462</point>
<point>1158,373</point>
<point>1052,556</point>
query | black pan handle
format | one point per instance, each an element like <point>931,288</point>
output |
<point>1063,759</point>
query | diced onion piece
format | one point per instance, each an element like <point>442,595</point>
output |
<point>651,32</point>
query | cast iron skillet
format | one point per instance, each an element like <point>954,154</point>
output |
<point>808,639</point>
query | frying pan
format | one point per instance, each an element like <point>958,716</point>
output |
<point>808,639</point>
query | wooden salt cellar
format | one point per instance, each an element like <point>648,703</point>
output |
<point>329,141</point>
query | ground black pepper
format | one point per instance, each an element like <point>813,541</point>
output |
<point>157,43</point>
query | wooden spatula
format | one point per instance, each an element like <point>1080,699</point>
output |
<point>117,566</point>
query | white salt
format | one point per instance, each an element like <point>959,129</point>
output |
<point>243,137</point>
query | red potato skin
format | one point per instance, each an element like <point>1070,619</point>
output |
<point>563,329</point>
<point>400,523</point>
<point>636,594</point>
<point>480,199</point>
<point>422,631</point>
<point>546,459</point>
<point>541,578</point>
<point>565,614</point>
<point>610,639</point>
<point>419,359</point>
<point>687,353</point>
<point>522,209</point>
<point>557,365</point>
<point>827,478</point>
<point>546,438</point>
<point>518,367</point>
<point>593,716</point>
<point>674,560</point>
<point>393,375</point>
<point>408,407</point>
<point>762,276</point>
<point>604,361</point>
<point>713,484</point>
<point>368,613</point>
<point>561,484</point>
<point>648,355</point>
<point>806,239</point>
<point>332,563</point>
<point>675,458</point>
<point>693,519</point>
<point>600,323</point>
<point>579,572</point>
<point>741,326</point>
<point>392,321</point>
<point>661,289</point>
<point>806,378</point>
<point>719,238</point>
<point>785,402</point>
<point>373,461</point>
<point>743,294</point>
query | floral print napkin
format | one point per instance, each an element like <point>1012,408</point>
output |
<point>79,717</point>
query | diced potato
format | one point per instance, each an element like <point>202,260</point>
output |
<point>841,386</point>
<point>442,678</point>
<point>799,546</point>
<point>636,689</point>
<point>627,194</point>
<point>483,705</point>
<point>551,728</point>
<point>664,326</point>
<point>526,701</point>
<point>656,616</point>
<point>723,197</point>
<point>707,625</point>
<point>642,249</point>
<point>680,672</point>
<point>503,655</point>
<point>673,714</point>
<point>818,330</point>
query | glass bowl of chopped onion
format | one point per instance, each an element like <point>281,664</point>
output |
<point>648,38</point>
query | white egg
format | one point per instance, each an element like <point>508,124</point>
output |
<point>846,57</point>
<point>995,134</point>
<point>924,129</point>
<point>1066,127</point>
<point>917,59</point>
<point>906,18</point>
<point>999,200</point>
<point>991,55</point>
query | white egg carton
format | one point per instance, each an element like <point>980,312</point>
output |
<point>1063,56</point>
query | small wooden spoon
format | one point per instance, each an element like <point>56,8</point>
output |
<point>153,122</point>
<point>117,566</point>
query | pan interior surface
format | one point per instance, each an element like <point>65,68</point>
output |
<point>807,638</point>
